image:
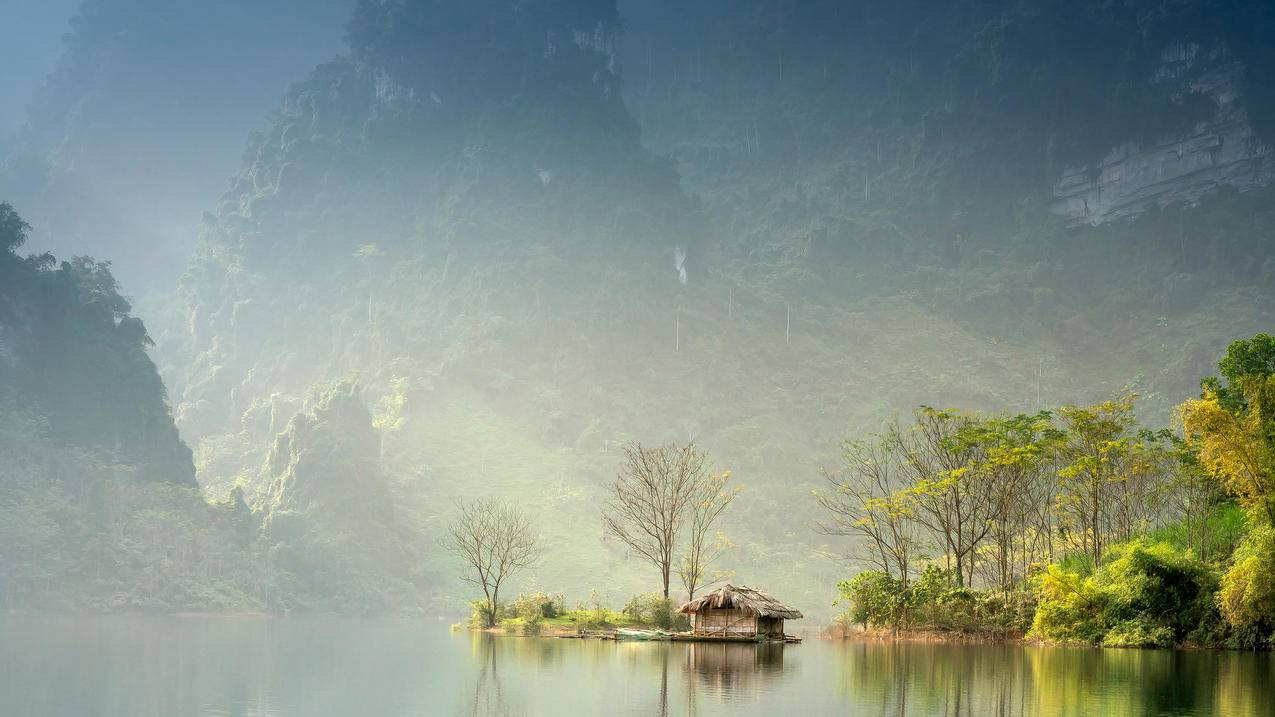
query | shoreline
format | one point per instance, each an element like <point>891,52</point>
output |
<point>929,636</point>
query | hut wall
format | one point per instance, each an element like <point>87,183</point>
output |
<point>773,626</point>
<point>725,622</point>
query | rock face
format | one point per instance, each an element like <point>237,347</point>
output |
<point>1221,151</point>
<point>337,540</point>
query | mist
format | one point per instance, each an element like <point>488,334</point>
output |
<point>639,322</point>
<point>136,114</point>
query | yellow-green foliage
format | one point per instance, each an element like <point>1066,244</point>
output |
<point>1247,597</point>
<point>1235,444</point>
<point>932,602</point>
<point>1145,595</point>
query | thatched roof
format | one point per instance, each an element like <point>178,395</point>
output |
<point>750,600</point>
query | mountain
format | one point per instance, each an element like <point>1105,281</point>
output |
<point>530,237</point>
<point>144,116</point>
<point>1087,182</point>
<point>73,356</point>
<point>99,508</point>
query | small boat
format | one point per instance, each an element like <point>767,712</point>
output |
<point>628,634</point>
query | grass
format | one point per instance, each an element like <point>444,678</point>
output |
<point>1223,529</point>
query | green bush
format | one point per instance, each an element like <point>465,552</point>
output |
<point>1247,596</point>
<point>1145,595</point>
<point>1142,631</point>
<point>654,609</point>
<point>932,602</point>
<point>593,614</point>
<point>1005,612</point>
<point>538,605</point>
<point>875,599</point>
<point>479,614</point>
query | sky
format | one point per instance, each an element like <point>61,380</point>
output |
<point>31,38</point>
<point>145,137</point>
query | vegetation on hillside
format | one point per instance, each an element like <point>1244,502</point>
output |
<point>1109,535</point>
<point>99,509</point>
<point>492,244</point>
<point>522,288</point>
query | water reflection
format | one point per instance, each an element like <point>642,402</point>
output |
<point>1008,681</point>
<point>316,667</point>
<point>726,672</point>
<point>721,668</point>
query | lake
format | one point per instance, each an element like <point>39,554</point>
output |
<point>250,667</point>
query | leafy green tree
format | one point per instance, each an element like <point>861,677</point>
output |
<point>874,598</point>
<point>1246,360</point>
<point>1111,474</point>
<point>13,231</point>
<point>1232,425</point>
<point>1013,456</point>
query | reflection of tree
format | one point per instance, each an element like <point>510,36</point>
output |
<point>949,680</point>
<point>1012,681</point>
<point>663,680</point>
<point>489,696</point>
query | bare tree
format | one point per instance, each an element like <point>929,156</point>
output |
<point>651,499</point>
<point>702,547</point>
<point>868,501</point>
<point>955,504</point>
<point>494,540</point>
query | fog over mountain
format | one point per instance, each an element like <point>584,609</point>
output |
<point>131,133</point>
<point>33,35</point>
<point>478,247</point>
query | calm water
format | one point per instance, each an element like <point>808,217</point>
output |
<point>129,666</point>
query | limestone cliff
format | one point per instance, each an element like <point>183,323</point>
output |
<point>1219,151</point>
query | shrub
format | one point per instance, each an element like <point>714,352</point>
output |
<point>1005,612</point>
<point>1145,594</point>
<point>1247,597</point>
<point>592,614</point>
<point>534,607</point>
<point>875,599</point>
<point>1069,608</point>
<point>936,601</point>
<point>1142,631</point>
<point>654,609</point>
<point>479,613</point>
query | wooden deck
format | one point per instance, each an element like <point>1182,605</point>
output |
<point>693,637</point>
<point>682,637</point>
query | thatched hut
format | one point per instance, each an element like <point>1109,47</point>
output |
<point>741,612</point>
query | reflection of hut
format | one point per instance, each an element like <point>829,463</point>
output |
<point>740,612</point>
<point>732,667</point>
<point>719,658</point>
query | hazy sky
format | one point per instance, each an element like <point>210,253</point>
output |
<point>30,41</point>
<point>160,128</point>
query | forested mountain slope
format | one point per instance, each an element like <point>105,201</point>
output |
<point>73,358</point>
<point>462,214</point>
<point>98,503</point>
